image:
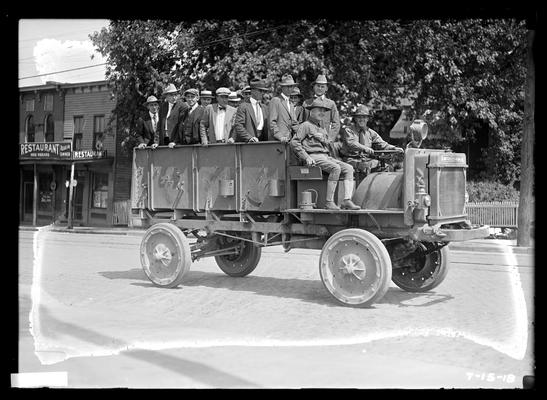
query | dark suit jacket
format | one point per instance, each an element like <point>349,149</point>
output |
<point>282,122</point>
<point>208,122</point>
<point>245,123</point>
<point>175,122</point>
<point>190,127</point>
<point>144,132</point>
<point>331,121</point>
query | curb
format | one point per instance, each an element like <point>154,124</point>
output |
<point>456,246</point>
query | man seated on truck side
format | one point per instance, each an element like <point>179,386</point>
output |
<point>311,143</point>
<point>359,142</point>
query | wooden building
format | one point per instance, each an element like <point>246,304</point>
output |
<point>66,131</point>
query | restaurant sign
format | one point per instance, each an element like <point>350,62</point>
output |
<point>56,151</point>
<point>51,150</point>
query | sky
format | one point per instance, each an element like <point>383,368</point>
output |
<point>50,45</point>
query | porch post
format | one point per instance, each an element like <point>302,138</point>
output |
<point>70,191</point>
<point>35,197</point>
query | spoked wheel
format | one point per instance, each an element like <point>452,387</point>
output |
<point>165,255</point>
<point>355,267</point>
<point>426,270</point>
<point>243,262</point>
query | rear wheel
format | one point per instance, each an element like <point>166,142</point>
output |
<point>165,255</point>
<point>355,267</point>
<point>243,262</point>
<point>427,269</point>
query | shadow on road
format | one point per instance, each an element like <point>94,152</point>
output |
<point>308,290</point>
<point>192,369</point>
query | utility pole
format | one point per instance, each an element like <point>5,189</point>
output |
<point>70,192</point>
<point>526,209</point>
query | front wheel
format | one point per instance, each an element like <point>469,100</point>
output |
<point>426,270</point>
<point>355,267</point>
<point>243,262</point>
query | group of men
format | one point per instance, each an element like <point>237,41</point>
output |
<point>312,128</point>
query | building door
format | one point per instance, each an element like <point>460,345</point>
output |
<point>28,193</point>
<point>79,196</point>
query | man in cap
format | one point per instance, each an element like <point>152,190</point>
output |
<point>217,121</point>
<point>283,123</point>
<point>251,121</point>
<point>312,144</point>
<point>148,131</point>
<point>296,99</point>
<point>331,119</point>
<point>189,130</point>
<point>173,112</point>
<point>359,142</point>
<point>206,98</point>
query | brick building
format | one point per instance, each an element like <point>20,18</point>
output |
<point>66,129</point>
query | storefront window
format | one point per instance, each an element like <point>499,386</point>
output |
<point>45,194</point>
<point>100,190</point>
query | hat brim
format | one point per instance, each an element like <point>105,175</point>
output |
<point>288,84</point>
<point>361,115</point>
<point>170,92</point>
<point>151,102</point>
<point>312,107</point>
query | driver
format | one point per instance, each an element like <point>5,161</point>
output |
<point>359,142</point>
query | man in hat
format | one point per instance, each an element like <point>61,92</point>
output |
<point>359,142</point>
<point>188,132</point>
<point>283,123</point>
<point>312,144</point>
<point>251,121</point>
<point>173,112</point>
<point>296,99</point>
<point>148,131</point>
<point>206,98</point>
<point>246,93</point>
<point>217,122</point>
<point>331,120</point>
<point>234,100</point>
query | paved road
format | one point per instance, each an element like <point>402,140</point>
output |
<point>275,328</point>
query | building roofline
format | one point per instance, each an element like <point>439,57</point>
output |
<point>60,85</point>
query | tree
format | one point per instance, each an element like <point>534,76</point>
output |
<point>460,74</point>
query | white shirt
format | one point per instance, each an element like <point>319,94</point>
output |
<point>154,124</point>
<point>219,124</point>
<point>193,108</point>
<point>287,101</point>
<point>168,113</point>
<point>258,114</point>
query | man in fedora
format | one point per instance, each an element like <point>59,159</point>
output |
<point>205,98</point>
<point>331,119</point>
<point>188,132</point>
<point>283,123</point>
<point>312,145</point>
<point>173,112</point>
<point>359,142</point>
<point>148,131</point>
<point>234,99</point>
<point>217,122</point>
<point>251,121</point>
<point>246,93</point>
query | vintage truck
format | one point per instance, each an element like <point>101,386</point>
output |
<point>229,201</point>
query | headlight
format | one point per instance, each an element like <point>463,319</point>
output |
<point>427,200</point>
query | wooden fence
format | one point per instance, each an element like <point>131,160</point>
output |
<point>497,214</point>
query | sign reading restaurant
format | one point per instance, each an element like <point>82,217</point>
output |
<point>56,151</point>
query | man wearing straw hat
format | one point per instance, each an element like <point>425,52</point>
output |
<point>148,131</point>
<point>173,112</point>
<point>251,121</point>
<point>359,142</point>
<point>312,145</point>
<point>205,98</point>
<point>331,119</point>
<point>217,121</point>
<point>283,123</point>
<point>296,99</point>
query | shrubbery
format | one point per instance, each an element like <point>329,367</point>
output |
<point>491,191</point>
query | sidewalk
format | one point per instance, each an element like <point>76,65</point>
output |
<point>480,245</point>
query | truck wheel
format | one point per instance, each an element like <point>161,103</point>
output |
<point>428,271</point>
<point>165,255</point>
<point>355,267</point>
<point>241,264</point>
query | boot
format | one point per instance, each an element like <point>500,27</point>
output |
<point>329,203</point>
<point>347,204</point>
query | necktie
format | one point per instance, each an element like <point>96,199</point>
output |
<point>257,112</point>
<point>221,107</point>
<point>154,126</point>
